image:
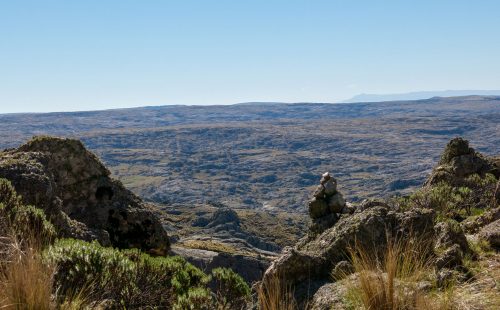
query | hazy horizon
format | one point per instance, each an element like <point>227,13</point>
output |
<point>94,55</point>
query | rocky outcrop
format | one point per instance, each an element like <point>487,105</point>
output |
<point>77,193</point>
<point>450,246</point>
<point>329,296</point>
<point>459,161</point>
<point>314,258</point>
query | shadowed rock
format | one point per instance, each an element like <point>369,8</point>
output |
<point>77,193</point>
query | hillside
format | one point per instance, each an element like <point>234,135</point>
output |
<point>268,156</point>
<point>436,248</point>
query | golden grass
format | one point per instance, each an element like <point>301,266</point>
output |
<point>209,245</point>
<point>275,294</point>
<point>26,282</point>
<point>388,279</point>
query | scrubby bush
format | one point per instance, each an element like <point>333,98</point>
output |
<point>34,269</point>
<point>129,278</point>
<point>231,291</point>
<point>21,221</point>
<point>8,196</point>
<point>80,264</point>
<point>472,197</point>
<point>197,298</point>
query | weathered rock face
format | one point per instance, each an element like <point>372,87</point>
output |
<point>314,259</point>
<point>451,246</point>
<point>459,161</point>
<point>76,192</point>
<point>322,257</point>
<point>491,233</point>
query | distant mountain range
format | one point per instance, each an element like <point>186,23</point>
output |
<point>419,95</point>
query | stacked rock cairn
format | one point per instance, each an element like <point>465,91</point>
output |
<point>327,205</point>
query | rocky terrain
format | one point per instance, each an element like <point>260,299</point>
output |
<point>436,247</point>
<point>76,192</point>
<point>320,266</point>
<point>263,155</point>
<point>230,184</point>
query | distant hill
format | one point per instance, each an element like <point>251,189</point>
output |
<point>420,95</point>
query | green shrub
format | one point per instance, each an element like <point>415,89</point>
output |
<point>8,196</point>
<point>25,222</point>
<point>197,298</point>
<point>129,278</point>
<point>471,198</point>
<point>231,291</point>
<point>81,264</point>
<point>28,220</point>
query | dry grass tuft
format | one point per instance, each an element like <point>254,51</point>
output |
<point>388,279</point>
<point>25,280</point>
<point>275,294</point>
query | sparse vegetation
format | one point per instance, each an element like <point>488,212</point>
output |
<point>26,281</point>
<point>396,279</point>
<point>472,198</point>
<point>37,273</point>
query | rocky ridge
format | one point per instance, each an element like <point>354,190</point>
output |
<point>78,195</point>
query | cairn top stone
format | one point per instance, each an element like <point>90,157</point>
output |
<point>325,177</point>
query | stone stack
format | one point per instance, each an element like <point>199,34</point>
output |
<point>326,205</point>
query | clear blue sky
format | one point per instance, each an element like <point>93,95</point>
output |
<point>96,54</point>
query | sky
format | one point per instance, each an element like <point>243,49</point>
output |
<point>94,54</point>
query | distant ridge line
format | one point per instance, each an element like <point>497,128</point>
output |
<point>419,95</point>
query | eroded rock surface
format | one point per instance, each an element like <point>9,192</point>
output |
<point>77,193</point>
<point>459,161</point>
